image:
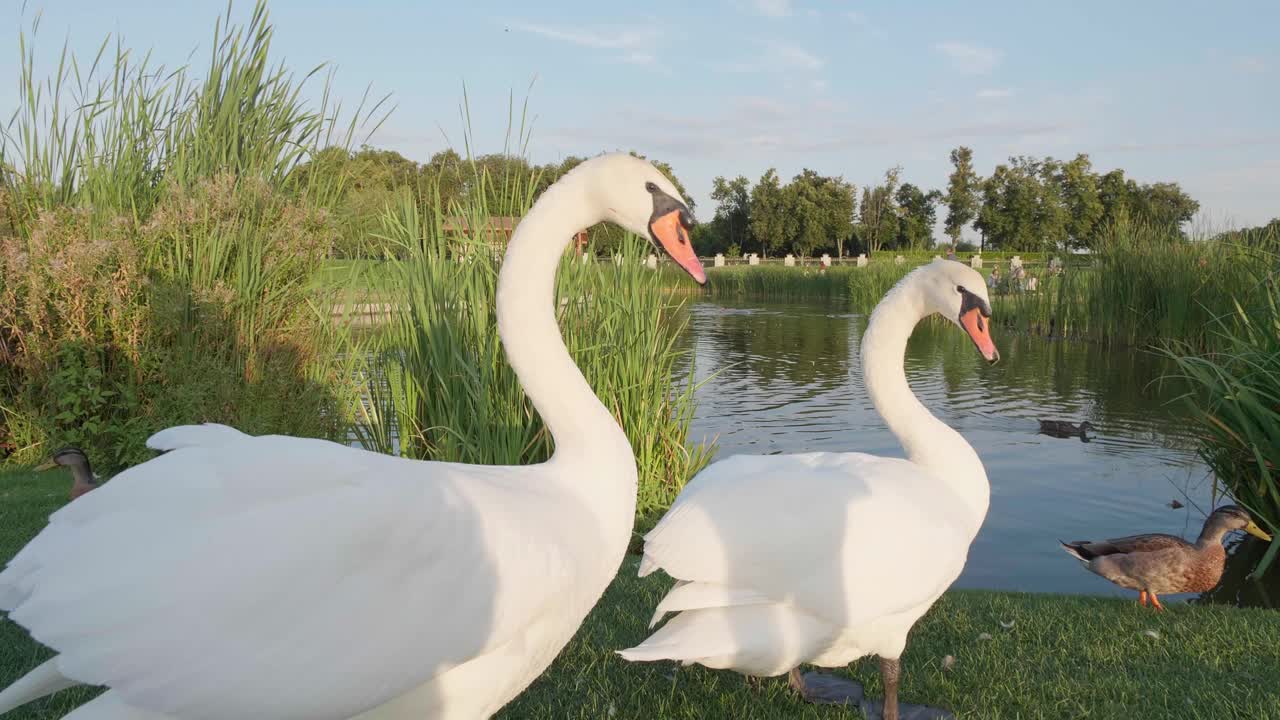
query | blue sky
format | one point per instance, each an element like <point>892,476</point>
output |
<point>1165,90</point>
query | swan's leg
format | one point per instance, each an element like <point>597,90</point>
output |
<point>890,672</point>
<point>822,688</point>
<point>1142,598</point>
<point>889,709</point>
<point>1155,601</point>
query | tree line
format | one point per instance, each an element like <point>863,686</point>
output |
<point>1027,204</point>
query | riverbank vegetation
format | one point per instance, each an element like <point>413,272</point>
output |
<point>1236,394</point>
<point>154,243</point>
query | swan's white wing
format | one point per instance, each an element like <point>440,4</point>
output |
<point>287,578</point>
<point>846,537</point>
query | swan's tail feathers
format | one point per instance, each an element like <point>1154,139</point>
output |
<point>697,596</point>
<point>44,680</point>
<point>1074,550</point>
<point>762,640</point>
<point>647,565</point>
<point>184,436</point>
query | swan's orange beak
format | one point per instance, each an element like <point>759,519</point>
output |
<point>670,230</point>
<point>979,329</point>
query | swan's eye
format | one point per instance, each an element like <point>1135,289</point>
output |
<point>960,289</point>
<point>650,187</point>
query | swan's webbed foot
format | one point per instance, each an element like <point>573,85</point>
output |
<point>821,688</point>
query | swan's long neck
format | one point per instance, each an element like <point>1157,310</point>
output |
<point>928,441</point>
<point>584,431</point>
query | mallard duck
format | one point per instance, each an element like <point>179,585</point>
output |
<point>74,458</point>
<point>1157,563</point>
<point>1064,429</point>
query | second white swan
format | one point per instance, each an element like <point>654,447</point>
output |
<point>823,558</point>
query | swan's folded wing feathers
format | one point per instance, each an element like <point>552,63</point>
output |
<point>333,584</point>
<point>788,526</point>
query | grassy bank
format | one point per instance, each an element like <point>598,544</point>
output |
<point>1064,657</point>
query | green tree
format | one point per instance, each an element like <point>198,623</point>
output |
<point>768,219</point>
<point>821,210</point>
<point>878,216</point>
<point>733,211</point>
<point>962,193</point>
<point>1165,205</point>
<point>918,212</point>
<point>1009,215</point>
<point>1079,187</point>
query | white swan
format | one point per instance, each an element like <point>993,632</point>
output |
<point>289,578</point>
<point>823,558</point>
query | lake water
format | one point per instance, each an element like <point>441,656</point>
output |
<point>787,379</point>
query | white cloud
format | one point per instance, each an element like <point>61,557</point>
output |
<point>776,56</point>
<point>970,59</point>
<point>773,8</point>
<point>995,93</point>
<point>639,58</point>
<point>1249,64</point>
<point>600,38</point>
<point>795,57</point>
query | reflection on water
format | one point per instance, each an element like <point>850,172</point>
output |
<point>785,377</point>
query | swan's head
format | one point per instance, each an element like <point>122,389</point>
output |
<point>643,200</point>
<point>959,293</point>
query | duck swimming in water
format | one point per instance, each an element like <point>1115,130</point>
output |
<point>1064,429</point>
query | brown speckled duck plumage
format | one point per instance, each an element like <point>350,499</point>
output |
<point>1156,563</point>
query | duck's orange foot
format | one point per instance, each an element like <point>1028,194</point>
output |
<point>1142,598</point>
<point>1155,602</point>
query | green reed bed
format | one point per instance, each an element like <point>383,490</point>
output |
<point>1143,288</point>
<point>777,281</point>
<point>440,388</point>
<point>1236,394</point>
<point>155,245</point>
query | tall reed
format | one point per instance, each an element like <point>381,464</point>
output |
<point>184,189</point>
<point>1236,394</point>
<point>1146,286</point>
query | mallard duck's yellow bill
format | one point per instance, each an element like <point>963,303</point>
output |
<point>1254,530</point>
<point>46,466</point>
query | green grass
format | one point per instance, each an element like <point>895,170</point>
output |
<point>1064,657</point>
